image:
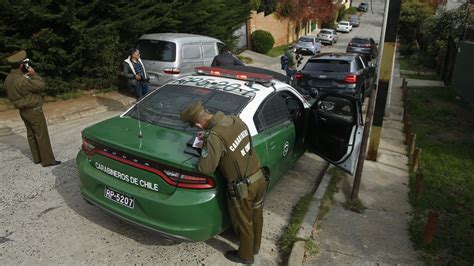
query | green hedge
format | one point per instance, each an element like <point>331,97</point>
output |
<point>262,41</point>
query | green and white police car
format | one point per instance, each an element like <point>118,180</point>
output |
<point>141,166</point>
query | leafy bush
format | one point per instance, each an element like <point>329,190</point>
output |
<point>407,49</point>
<point>81,44</point>
<point>328,25</point>
<point>262,41</point>
<point>351,10</point>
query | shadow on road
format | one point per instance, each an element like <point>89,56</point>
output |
<point>18,142</point>
<point>67,185</point>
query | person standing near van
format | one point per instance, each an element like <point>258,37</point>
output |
<point>291,69</point>
<point>135,72</point>
<point>225,58</point>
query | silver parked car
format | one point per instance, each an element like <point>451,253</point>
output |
<point>328,36</point>
<point>309,43</point>
<point>354,20</point>
<point>344,26</point>
<point>168,56</point>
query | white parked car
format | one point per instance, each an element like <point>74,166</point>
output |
<point>344,26</point>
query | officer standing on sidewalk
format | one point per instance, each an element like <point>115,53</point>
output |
<point>24,89</point>
<point>227,146</point>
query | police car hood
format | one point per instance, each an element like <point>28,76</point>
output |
<point>157,143</point>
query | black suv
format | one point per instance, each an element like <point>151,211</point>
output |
<point>337,72</point>
<point>363,45</point>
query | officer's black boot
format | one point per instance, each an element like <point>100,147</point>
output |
<point>232,255</point>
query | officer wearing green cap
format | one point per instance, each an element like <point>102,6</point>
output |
<point>24,89</point>
<point>227,146</point>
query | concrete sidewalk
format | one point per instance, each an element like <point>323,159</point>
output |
<point>379,234</point>
<point>60,111</point>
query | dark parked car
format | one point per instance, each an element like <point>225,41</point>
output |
<point>337,72</point>
<point>363,45</point>
<point>354,20</point>
<point>363,7</point>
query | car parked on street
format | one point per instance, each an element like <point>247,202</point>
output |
<point>328,36</point>
<point>337,72</point>
<point>308,43</point>
<point>168,56</point>
<point>141,166</point>
<point>363,45</point>
<point>363,7</point>
<point>354,20</point>
<point>344,26</point>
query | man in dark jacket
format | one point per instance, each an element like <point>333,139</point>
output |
<point>135,73</point>
<point>225,58</point>
<point>24,89</point>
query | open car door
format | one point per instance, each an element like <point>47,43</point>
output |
<point>335,130</point>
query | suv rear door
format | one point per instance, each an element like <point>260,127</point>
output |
<point>324,73</point>
<point>335,130</point>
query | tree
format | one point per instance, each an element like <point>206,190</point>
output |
<point>302,11</point>
<point>81,43</point>
<point>413,14</point>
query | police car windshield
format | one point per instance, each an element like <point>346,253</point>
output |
<point>163,107</point>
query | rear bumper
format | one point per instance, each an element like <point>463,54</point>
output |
<point>326,40</point>
<point>348,90</point>
<point>168,215</point>
<point>361,51</point>
<point>343,30</point>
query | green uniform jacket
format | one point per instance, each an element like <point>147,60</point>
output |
<point>228,148</point>
<point>24,91</point>
<point>291,59</point>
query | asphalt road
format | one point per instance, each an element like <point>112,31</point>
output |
<point>44,220</point>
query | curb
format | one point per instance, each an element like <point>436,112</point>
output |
<point>297,252</point>
<point>19,127</point>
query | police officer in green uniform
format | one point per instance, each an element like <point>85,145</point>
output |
<point>24,89</point>
<point>227,146</point>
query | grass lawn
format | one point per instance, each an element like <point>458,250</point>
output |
<point>277,50</point>
<point>422,76</point>
<point>445,131</point>
<point>418,72</point>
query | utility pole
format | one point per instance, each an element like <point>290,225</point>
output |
<point>387,39</point>
<point>385,74</point>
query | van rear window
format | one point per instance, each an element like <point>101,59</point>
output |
<point>155,50</point>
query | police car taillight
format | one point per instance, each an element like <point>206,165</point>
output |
<point>234,74</point>
<point>87,147</point>
<point>188,181</point>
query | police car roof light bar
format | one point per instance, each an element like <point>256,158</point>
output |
<point>227,73</point>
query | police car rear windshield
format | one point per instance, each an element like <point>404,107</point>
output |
<point>163,106</point>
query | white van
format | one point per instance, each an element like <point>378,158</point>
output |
<point>169,56</point>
